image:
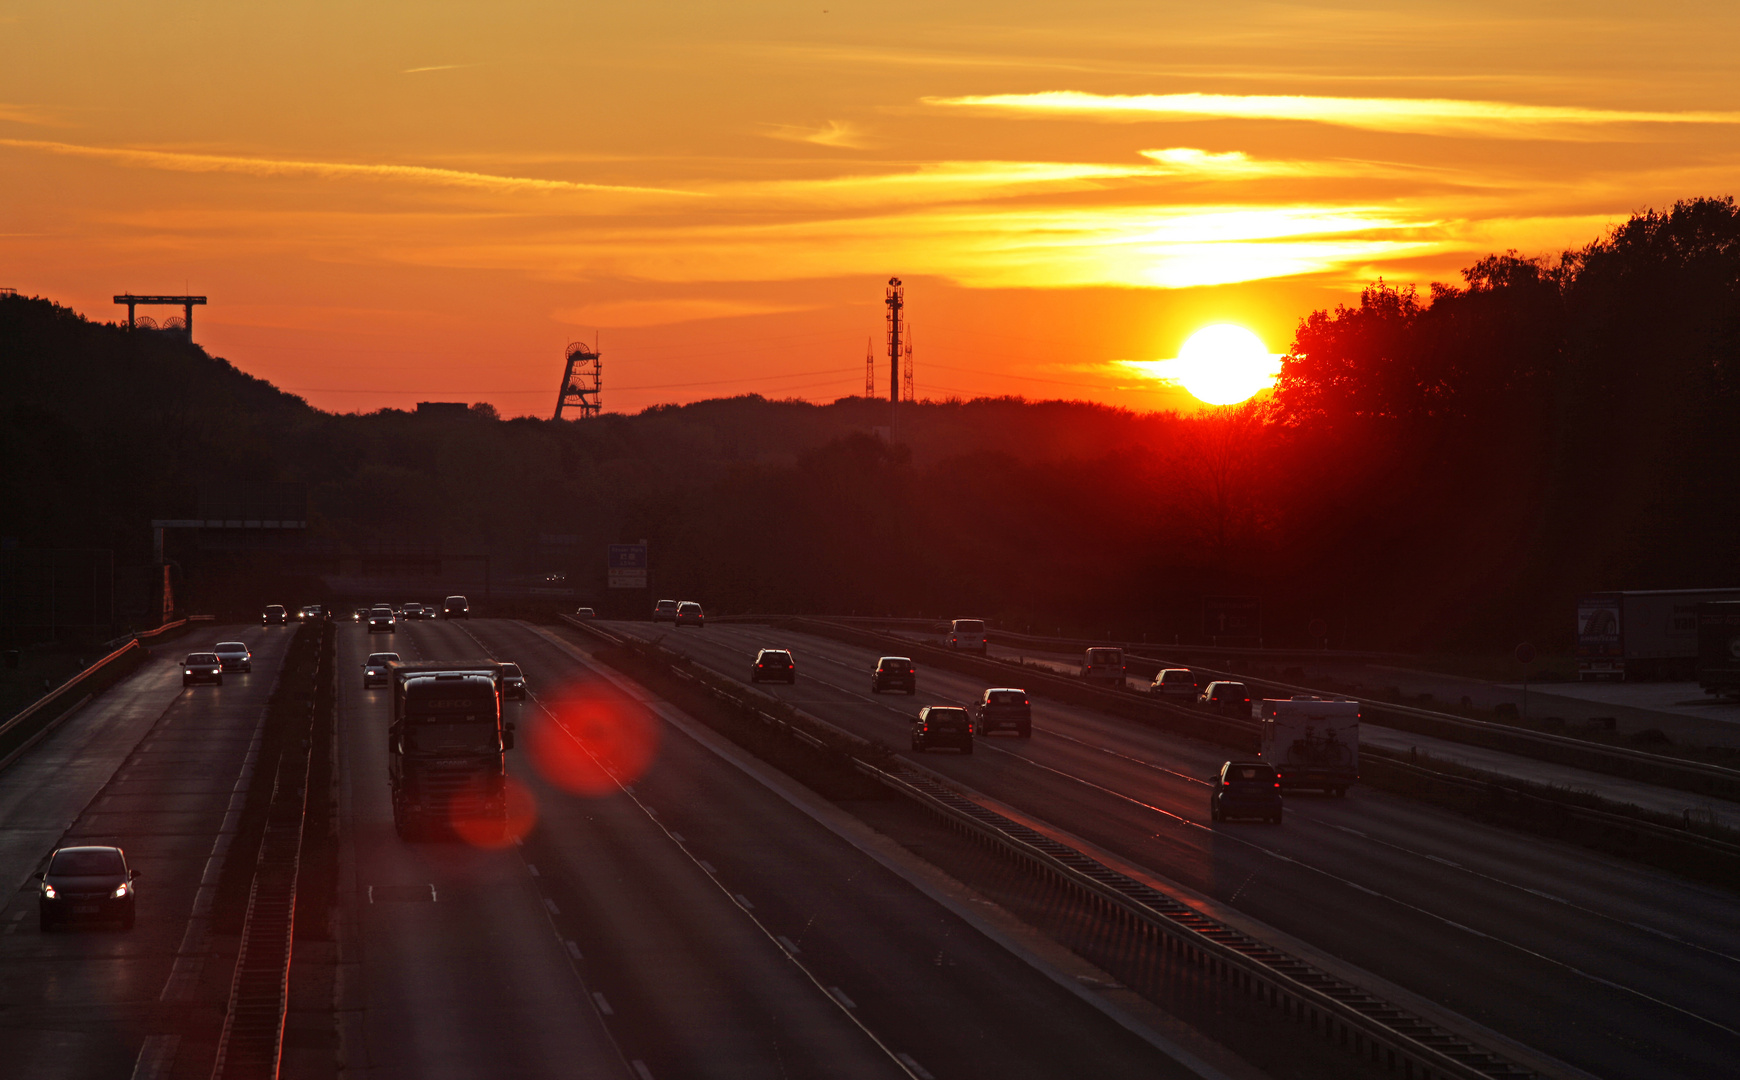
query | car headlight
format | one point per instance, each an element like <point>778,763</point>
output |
<point>48,892</point>
<point>189,671</point>
<point>120,890</point>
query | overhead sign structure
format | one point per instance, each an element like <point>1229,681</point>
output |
<point>1232,616</point>
<point>628,566</point>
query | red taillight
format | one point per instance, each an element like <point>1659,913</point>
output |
<point>1277,783</point>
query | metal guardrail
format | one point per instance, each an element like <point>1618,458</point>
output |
<point>1358,1020</point>
<point>34,713</point>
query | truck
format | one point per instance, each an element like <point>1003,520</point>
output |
<point>447,748</point>
<point>1312,742</point>
<point>1719,647</point>
<point>1641,634</point>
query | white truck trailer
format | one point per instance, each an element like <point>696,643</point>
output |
<point>1641,634</point>
<point>1312,742</point>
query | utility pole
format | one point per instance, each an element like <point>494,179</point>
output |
<point>895,298</point>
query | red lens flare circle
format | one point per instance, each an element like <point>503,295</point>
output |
<point>591,745</point>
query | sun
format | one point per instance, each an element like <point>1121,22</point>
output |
<point>1224,365</point>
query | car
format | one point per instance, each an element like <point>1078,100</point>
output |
<point>894,673</point>
<point>86,883</point>
<point>361,614</point>
<point>773,665</point>
<point>1176,683</point>
<point>456,607</point>
<point>513,681</point>
<point>665,611</point>
<point>375,672</point>
<point>1003,708</point>
<point>942,725</point>
<point>202,667</point>
<point>274,615</point>
<point>411,611</point>
<point>234,656</point>
<point>689,613</point>
<point>967,635</point>
<point>1245,789</point>
<point>1226,698</point>
<point>585,613</point>
<point>1105,664</point>
<point>311,613</point>
<point>381,618</point>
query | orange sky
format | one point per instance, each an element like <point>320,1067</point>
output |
<point>395,202</point>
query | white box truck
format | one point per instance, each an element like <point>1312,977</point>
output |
<point>1641,634</point>
<point>1313,742</point>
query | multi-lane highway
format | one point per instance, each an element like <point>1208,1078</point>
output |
<point>159,770</point>
<point>688,922</point>
<point>1615,969</point>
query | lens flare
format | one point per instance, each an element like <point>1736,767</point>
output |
<point>492,833</point>
<point>591,745</point>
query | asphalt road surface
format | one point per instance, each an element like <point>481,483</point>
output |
<point>1616,969</point>
<point>687,922</point>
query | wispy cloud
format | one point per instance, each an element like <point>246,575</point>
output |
<point>1436,116</point>
<point>437,67</point>
<point>833,133</point>
<point>25,114</point>
<point>617,314</point>
<point>177,161</point>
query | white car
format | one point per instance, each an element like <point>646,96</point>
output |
<point>375,669</point>
<point>967,634</point>
<point>1175,682</point>
<point>689,613</point>
<point>234,656</point>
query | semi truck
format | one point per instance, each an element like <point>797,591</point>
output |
<point>1312,742</point>
<point>1719,647</point>
<point>447,748</point>
<point>1641,634</point>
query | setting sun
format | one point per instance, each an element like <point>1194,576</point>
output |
<point>1221,364</point>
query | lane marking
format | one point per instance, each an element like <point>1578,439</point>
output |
<point>917,1069</point>
<point>788,945</point>
<point>744,900</point>
<point>573,950</point>
<point>603,1005</point>
<point>707,866</point>
<point>534,870</point>
<point>551,904</point>
<point>156,1057</point>
<point>641,1070</point>
<point>678,837</point>
<point>839,995</point>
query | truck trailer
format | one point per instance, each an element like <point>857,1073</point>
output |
<point>446,748</point>
<point>1642,634</point>
<point>1719,647</point>
<point>1312,742</point>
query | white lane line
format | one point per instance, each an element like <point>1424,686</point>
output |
<point>707,866</point>
<point>788,944</point>
<point>678,837</point>
<point>640,1069</point>
<point>156,1057</point>
<point>603,1005</point>
<point>551,904</point>
<point>744,900</point>
<point>573,950</point>
<point>839,995</point>
<point>534,870</point>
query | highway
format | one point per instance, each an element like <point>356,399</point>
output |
<point>687,922</point>
<point>1615,969</point>
<point>158,770</point>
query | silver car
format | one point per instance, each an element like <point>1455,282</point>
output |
<point>375,670</point>
<point>234,656</point>
<point>202,667</point>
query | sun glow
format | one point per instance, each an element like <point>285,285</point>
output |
<point>1221,364</point>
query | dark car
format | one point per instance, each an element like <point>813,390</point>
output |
<point>375,670</point>
<point>1003,708</point>
<point>234,656</point>
<point>1226,698</point>
<point>86,884</point>
<point>1245,789</point>
<point>942,725</point>
<point>274,615</point>
<point>456,607</point>
<point>773,665</point>
<point>202,667</point>
<point>382,619</point>
<point>665,611</point>
<point>411,611</point>
<point>894,673</point>
<point>513,681</point>
<point>361,614</point>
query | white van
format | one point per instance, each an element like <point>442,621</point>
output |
<point>1105,664</point>
<point>967,634</point>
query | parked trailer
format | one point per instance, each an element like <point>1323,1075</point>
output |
<point>1719,647</point>
<point>446,748</point>
<point>1651,634</point>
<point>1312,742</point>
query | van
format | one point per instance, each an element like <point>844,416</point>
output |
<point>1103,664</point>
<point>968,634</point>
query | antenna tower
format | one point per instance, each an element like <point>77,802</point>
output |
<point>895,298</point>
<point>906,372</point>
<point>582,381</point>
<point>869,369</point>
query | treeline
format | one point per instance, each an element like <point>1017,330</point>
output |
<point>1445,469</point>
